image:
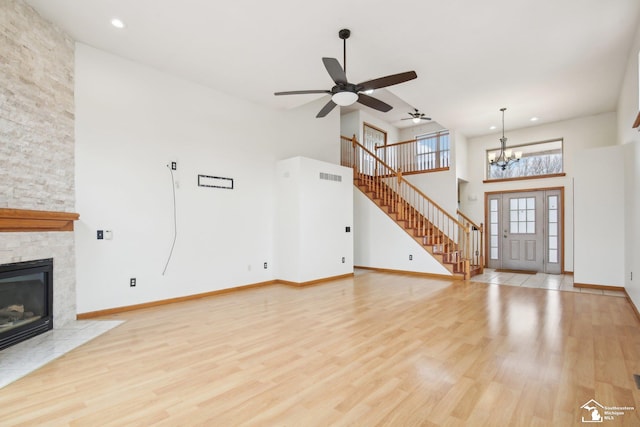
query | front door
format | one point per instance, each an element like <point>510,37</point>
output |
<point>525,230</point>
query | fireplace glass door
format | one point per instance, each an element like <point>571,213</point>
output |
<point>25,300</point>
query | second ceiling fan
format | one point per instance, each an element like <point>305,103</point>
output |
<point>345,93</point>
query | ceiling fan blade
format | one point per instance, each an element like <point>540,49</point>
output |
<point>391,80</point>
<point>326,109</point>
<point>302,92</point>
<point>374,103</point>
<point>335,70</point>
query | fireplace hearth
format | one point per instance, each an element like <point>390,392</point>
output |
<point>26,300</point>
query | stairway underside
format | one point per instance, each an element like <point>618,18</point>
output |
<point>434,241</point>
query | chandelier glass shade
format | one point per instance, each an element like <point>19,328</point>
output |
<point>505,157</point>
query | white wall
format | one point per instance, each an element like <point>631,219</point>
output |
<point>628,100</point>
<point>312,216</point>
<point>409,133</point>
<point>130,122</point>
<point>461,156</point>
<point>631,155</point>
<point>628,107</point>
<point>578,134</point>
<point>351,123</point>
<point>381,243</point>
<point>441,187</point>
<point>599,220</point>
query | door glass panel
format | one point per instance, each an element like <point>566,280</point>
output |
<point>552,203</point>
<point>522,215</point>
<point>493,229</point>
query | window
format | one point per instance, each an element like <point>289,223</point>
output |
<point>493,221</point>
<point>552,203</point>
<point>522,215</point>
<point>538,159</point>
<point>433,150</point>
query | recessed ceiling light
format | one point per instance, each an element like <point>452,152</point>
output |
<point>368,92</point>
<point>492,127</point>
<point>116,22</point>
<point>534,119</point>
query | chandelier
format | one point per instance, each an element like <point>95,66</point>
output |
<point>504,158</point>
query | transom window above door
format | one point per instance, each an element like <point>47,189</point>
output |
<point>539,159</point>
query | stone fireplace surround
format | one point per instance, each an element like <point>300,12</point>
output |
<point>32,242</point>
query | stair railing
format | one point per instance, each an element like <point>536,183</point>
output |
<point>436,226</point>
<point>476,241</point>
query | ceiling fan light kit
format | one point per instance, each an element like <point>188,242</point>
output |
<point>344,98</point>
<point>417,117</point>
<point>345,93</point>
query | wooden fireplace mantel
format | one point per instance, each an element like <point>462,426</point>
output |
<point>31,220</point>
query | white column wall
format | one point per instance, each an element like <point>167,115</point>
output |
<point>628,107</point>
<point>312,216</point>
<point>599,220</point>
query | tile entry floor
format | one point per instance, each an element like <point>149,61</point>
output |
<point>554,282</point>
<point>27,356</point>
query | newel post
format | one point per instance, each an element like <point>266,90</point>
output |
<point>481,260</point>
<point>355,158</point>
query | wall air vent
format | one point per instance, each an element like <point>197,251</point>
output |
<point>330,177</point>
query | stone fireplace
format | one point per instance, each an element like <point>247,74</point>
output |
<point>37,181</point>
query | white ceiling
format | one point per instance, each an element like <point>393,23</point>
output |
<point>554,59</point>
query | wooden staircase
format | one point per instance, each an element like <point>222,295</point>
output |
<point>454,243</point>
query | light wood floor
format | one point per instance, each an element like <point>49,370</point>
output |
<point>376,349</point>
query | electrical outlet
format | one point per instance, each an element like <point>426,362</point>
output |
<point>343,260</point>
<point>410,257</point>
<point>100,234</point>
<point>132,282</point>
<point>174,166</point>
<point>265,265</point>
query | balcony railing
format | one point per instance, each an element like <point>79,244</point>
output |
<point>427,154</point>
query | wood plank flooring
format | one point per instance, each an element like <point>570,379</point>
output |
<point>375,349</point>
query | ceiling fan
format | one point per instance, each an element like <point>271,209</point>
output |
<point>417,117</point>
<point>345,93</point>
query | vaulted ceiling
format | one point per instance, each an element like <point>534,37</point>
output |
<point>546,58</point>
